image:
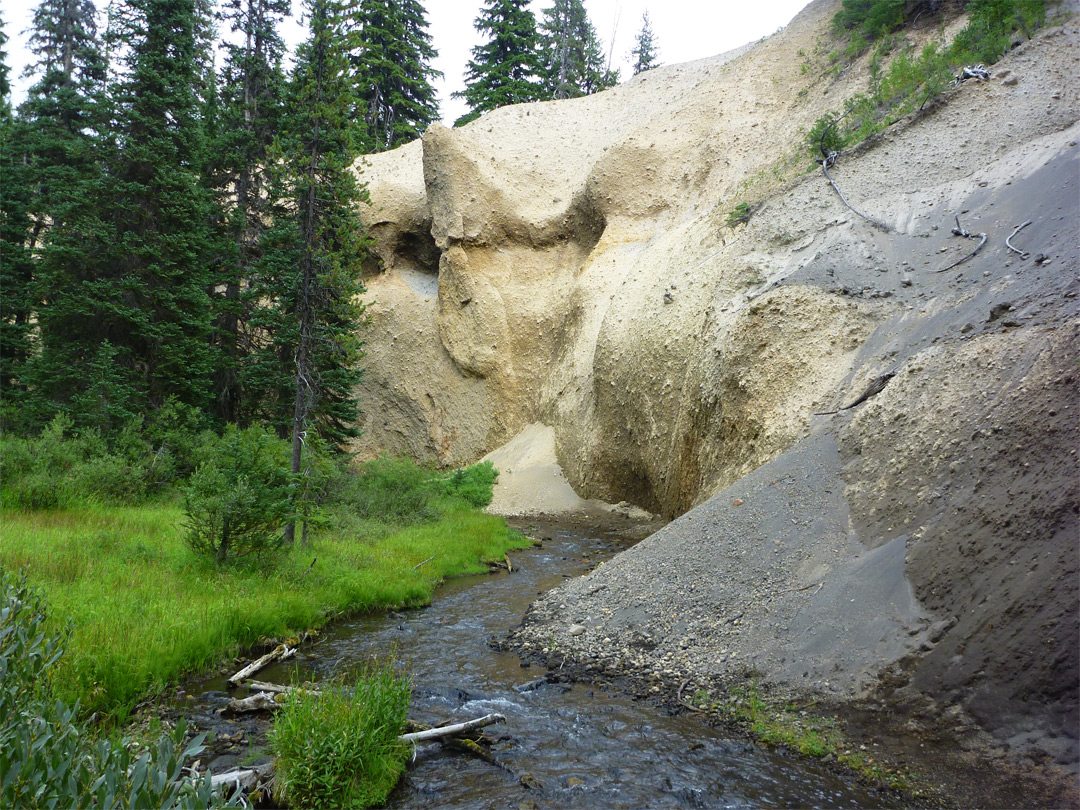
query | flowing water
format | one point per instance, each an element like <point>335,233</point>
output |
<point>564,746</point>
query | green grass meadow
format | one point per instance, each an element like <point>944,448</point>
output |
<point>144,609</point>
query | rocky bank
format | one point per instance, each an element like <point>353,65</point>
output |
<point>557,284</point>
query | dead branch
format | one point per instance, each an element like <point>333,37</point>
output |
<point>455,730</point>
<point>872,390</point>
<point>280,653</point>
<point>1008,243</point>
<point>818,585</point>
<point>972,72</point>
<point>683,703</point>
<point>959,230</point>
<point>263,686</point>
<point>259,702</point>
<point>830,160</point>
<point>242,780</point>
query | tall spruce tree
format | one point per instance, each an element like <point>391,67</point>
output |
<point>645,51</point>
<point>129,275</point>
<point>58,132</point>
<point>249,115</point>
<point>393,73</point>
<point>571,57</point>
<point>16,267</point>
<point>311,264</point>
<point>505,69</point>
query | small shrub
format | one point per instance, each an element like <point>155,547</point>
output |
<point>825,135</point>
<point>872,18</point>
<point>240,497</point>
<point>474,484</point>
<point>64,465</point>
<point>395,490</point>
<point>992,25</point>
<point>340,747</point>
<point>739,215</point>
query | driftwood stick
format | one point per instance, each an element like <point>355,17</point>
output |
<point>817,585</point>
<point>978,247</point>
<point>259,702</point>
<point>263,686</point>
<point>872,390</point>
<point>279,653</point>
<point>303,576</point>
<point>246,779</point>
<point>1008,244</point>
<point>683,702</point>
<point>452,731</point>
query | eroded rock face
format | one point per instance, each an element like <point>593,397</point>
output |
<point>569,265</point>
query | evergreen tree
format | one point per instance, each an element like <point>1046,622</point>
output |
<point>644,50</point>
<point>56,136</point>
<point>504,69</point>
<point>16,267</point>
<point>249,114</point>
<point>310,270</point>
<point>392,67</point>
<point>130,266</point>
<point>572,60</point>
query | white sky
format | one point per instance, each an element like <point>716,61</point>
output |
<point>684,30</point>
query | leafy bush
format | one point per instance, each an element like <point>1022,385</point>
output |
<point>340,747</point>
<point>474,484</point>
<point>394,490</point>
<point>62,466</point>
<point>739,215</point>
<point>825,135</point>
<point>992,25</point>
<point>240,496</point>
<point>870,18</point>
<point>46,759</point>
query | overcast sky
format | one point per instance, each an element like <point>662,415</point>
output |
<point>684,30</point>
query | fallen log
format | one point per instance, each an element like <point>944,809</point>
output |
<point>259,702</point>
<point>263,686</point>
<point>455,730</point>
<point>280,653</point>
<point>244,780</point>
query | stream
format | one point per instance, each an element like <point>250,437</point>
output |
<point>565,746</point>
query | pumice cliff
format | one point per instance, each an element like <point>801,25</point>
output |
<point>569,265</point>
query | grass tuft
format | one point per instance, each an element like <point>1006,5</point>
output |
<point>339,747</point>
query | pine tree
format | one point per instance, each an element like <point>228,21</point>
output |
<point>572,60</point>
<point>130,266</point>
<point>310,270</point>
<point>644,50</point>
<point>249,115</point>
<point>392,68</point>
<point>505,69</point>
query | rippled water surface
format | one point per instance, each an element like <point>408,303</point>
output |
<point>579,746</point>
